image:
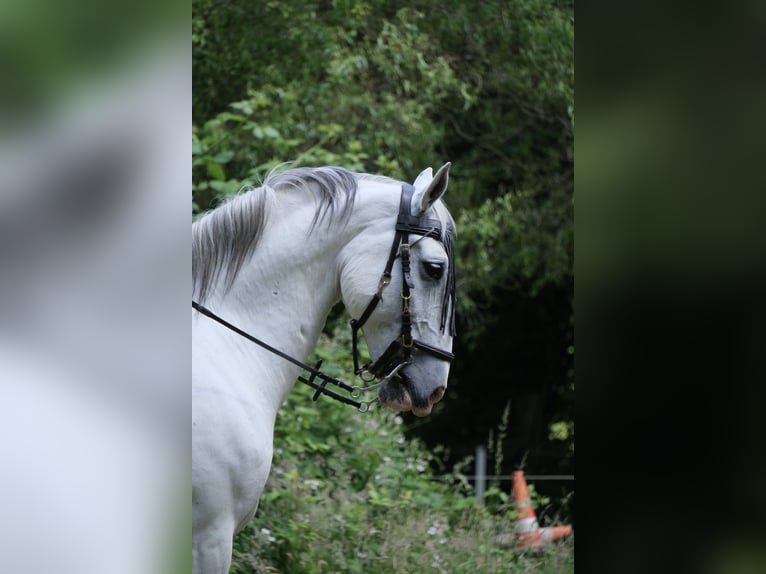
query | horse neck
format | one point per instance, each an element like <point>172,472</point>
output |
<point>283,296</point>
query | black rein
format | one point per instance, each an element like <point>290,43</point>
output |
<point>315,373</point>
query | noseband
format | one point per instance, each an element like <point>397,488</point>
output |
<point>399,352</point>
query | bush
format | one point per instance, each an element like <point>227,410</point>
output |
<point>348,493</point>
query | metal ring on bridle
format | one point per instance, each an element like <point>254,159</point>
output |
<point>393,372</point>
<point>364,406</point>
<point>356,391</point>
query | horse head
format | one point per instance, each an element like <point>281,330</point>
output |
<point>405,308</point>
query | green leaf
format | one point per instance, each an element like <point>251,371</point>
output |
<point>215,170</point>
<point>224,156</point>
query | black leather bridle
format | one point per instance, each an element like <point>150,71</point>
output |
<point>399,352</point>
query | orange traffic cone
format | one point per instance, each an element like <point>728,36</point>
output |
<point>528,532</point>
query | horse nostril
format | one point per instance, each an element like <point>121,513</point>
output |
<point>437,395</point>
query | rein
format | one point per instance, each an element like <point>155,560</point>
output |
<point>315,373</point>
<point>399,352</point>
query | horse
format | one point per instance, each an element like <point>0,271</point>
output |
<point>268,266</point>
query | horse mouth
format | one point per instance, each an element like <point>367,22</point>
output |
<point>396,394</point>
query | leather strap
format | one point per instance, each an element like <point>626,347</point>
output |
<point>400,350</point>
<point>315,372</point>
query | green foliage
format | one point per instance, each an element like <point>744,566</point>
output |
<point>376,87</point>
<point>348,493</point>
<point>512,245</point>
<point>362,95</point>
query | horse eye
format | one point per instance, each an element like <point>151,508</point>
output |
<point>433,270</point>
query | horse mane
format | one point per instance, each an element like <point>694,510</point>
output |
<point>224,238</point>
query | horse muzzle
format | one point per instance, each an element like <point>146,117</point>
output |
<point>401,394</point>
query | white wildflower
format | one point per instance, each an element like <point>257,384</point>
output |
<point>438,528</point>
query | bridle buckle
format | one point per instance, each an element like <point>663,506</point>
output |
<point>407,340</point>
<point>385,281</point>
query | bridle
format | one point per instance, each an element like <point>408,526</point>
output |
<point>399,352</point>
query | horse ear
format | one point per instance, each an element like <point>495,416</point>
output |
<point>428,189</point>
<point>425,177</point>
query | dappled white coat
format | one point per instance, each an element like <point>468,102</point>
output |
<point>282,295</point>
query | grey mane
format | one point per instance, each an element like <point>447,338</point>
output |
<point>226,237</point>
